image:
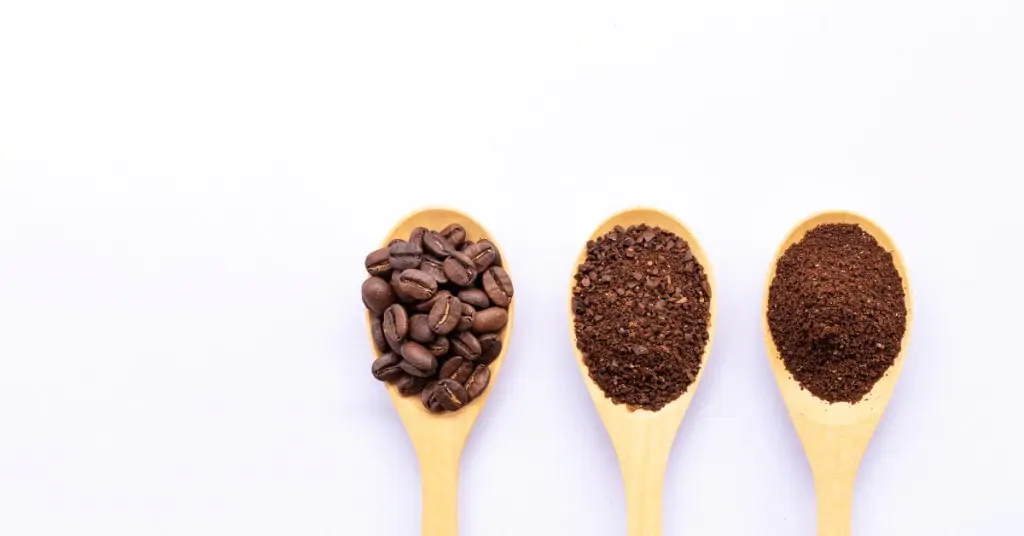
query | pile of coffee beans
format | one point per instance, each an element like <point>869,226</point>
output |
<point>641,308</point>
<point>439,303</point>
<point>837,311</point>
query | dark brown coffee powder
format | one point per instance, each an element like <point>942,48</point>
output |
<point>836,311</point>
<point>642,308</point>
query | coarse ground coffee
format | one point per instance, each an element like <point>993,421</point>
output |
<point>837,311</point>
<point>642,309</point>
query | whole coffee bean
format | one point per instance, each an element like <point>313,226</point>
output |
<point>451,395</point>
<point>477,381</point>
<point>396,326</point>
<point>395,241</point>
<point>418,359</point>
<point>403,255</point>
<point>457,369</point>
<point>497,253</point>
<point>426,305</point>
<point>436,244</point>
<point>475,297</point>
<point>466,245</point>
<point>467,346</point>
<point>385,368</point>
<point>455,234</point>
<point>460,269</point>
<point>490,348</point>
<point>416,236</point>
<point>435,268</point>
<point>410,385</point>
<point>377,295</point>
<point>377,263</point>
<point>430,401</point>
<point>483,254</point>
<point>399,293</point>
<point>444,315</point>
<point>439,346</point>
<point>417,284</point>
<point>498,286</point>
<point>466,319</point>
<point>490,319</point>
<point>377,331</point>
<point>419,329</point>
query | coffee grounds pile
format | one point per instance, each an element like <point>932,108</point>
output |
<point>642,309</point>
<point>836,311</point>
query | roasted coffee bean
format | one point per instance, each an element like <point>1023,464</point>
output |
<point>416,236</point>
<point>455,234</point>
<point>435,268</point>
<point>483,254</point>
<point>457,369</point>
<point>418,358</point>
<point>439,346</point>
<point>404,255</point>
<point>466,345</point>
<point>385,368</point>
<point>377,331</point>
<point>475,297</point>
<point>410,385</point>
<point>444,315</point>
<point>460,269</point>
<point>426,305</point>
<point>498,286</point>
<point>399,293</point>
<point>436,244</point>
<point>466,319</point>
<point>430,401</point>
<point>377,263</point>
<point>377,295</point>
<point>451,395</point>
<point>465,245</point>
<point>490,348</point>
<point>490,319</point>
<point>477,381</point>
<point>411,370</point>
<point>419,329</point>
<point>417,284</point>
<point>396,326</point>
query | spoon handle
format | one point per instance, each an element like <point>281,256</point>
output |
<point>643,465</point>
<point>835,505</point>
<point>439,473</point>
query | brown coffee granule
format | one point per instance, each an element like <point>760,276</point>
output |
<point>642,308</point>
<point>836,311</point>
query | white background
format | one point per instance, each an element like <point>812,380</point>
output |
<point>187,191</point>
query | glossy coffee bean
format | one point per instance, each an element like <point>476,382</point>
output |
<point>457,369</point>
<point>455,234</point>
<point>490,320</point>
<point>439,346</point>
<point>377,263</point>
<point>385,368</point>
<point>418,359</point>
<point>419,329</point>
<point>460,269</point>
<point>426,305</point>
<point>444,315</point>
<point>490,348</point>
<point>477,381</point>
<point>498,286</point>
<point>410,385</point>
<point>483,254</point>
<point>396,326</point>
<point>475,297</point>
<point>466,345</point>
<point>451,395</point>
<point>399,293</point>
<point>416,236</point>
<point>435,268</point>
<point>466,318</point>
<point>436,244</point>
<point>430,401</point>
<point>403,255</point>
<point>377,295</point>
<point>377,332</point>
<point>417,284</point>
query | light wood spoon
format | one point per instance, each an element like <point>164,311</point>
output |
<point>440,438</point>
<point>835,436</point>
<point>643,439</point>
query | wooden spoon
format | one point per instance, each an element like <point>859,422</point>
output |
<point>440,438</point>
<point>835,436</point>
<point>642,438</point>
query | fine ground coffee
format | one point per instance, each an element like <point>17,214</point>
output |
<point>642,308</point>
<point>438,305</point>
<point>836,311</point>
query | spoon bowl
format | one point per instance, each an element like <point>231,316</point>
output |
<point>835,435</point>
<point>439,438</point>
<point>643,439</point>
